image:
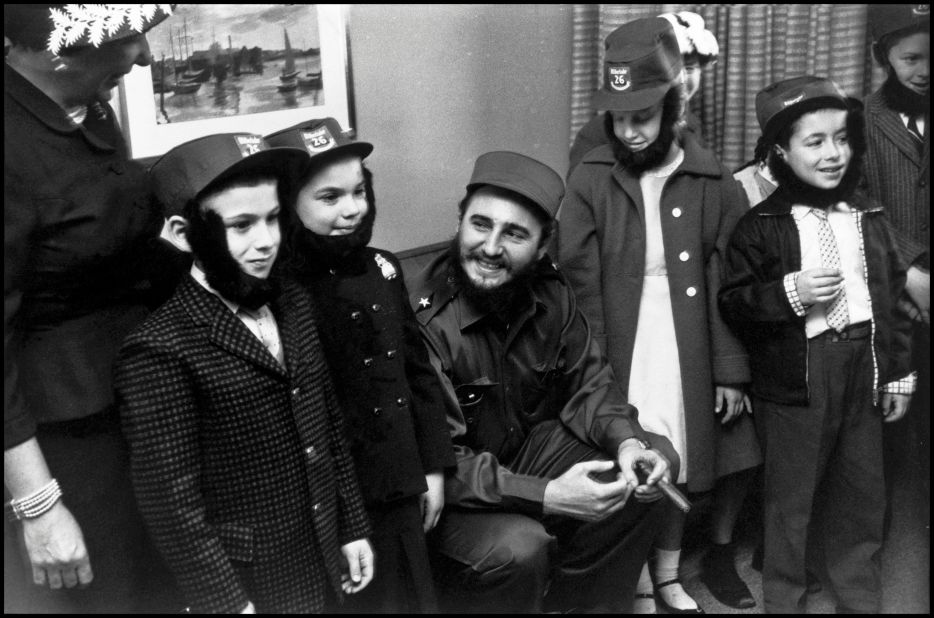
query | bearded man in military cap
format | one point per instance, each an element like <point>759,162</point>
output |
<point>545,495</point>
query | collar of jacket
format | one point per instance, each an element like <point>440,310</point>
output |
<point>889,122</point>
<point>38,104</point>
<point>698,161</point>
<point>780,203</point>
<point>439,288</point>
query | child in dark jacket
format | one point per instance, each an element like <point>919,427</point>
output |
<point>810,285</point>
<point>388,391</point>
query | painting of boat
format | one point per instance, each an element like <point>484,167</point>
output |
<point>312,79</point>
<point>289,73</point>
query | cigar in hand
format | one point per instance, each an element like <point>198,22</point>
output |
<point>679,499</point>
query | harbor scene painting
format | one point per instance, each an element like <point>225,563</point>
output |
<point>237,67</point>
<point>213,60</point>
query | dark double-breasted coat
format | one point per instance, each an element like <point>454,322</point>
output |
<point>601,249</point>
<point>391,398</point>
<point>239,464</point>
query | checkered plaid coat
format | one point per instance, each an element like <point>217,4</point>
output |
<point>239,465</point>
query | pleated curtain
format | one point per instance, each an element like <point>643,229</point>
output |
<point>759,44</point>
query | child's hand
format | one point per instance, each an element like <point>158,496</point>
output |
<point>819,285</point>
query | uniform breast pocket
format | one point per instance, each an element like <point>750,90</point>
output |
<point>473,398</point>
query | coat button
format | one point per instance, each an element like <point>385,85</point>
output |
<point>296,391</point>
<point>401,401</point>
<point>683,256</point>
<point>691,291</point>
<point>310,450</point>
<point>316,507</point>
<point>377,411</point>
<point>355,315</point>
<point>471,395</point>
<point>390,354</point>
<point>376,307</point>
<point>367,362</point>
<point>676,212</point>
<point>333,271</point>
<point>471,420</point>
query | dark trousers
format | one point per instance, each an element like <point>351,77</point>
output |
<point>823,465</point>
<point>90,460</point>
<point>513,563</point>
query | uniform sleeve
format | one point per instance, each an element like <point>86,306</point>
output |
<point>434,441</point>
<point>747,296</point>
<point>728,356</point>
<point>596,411</point>
<point>579,250</point>
<point>20,224</point>
<point>479,481</point>
<point>157,402</point>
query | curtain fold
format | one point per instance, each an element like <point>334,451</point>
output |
<point>759,44</point>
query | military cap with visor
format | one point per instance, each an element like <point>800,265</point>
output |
<point>777,103</point>
<point>520,174</point>
<point>321,138</point>
<point>193,169</point>
<point>641,63</point>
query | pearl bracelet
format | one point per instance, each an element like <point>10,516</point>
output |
<point>35,504</point>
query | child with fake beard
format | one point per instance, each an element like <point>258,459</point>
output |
<point>237,450</point>
<point>390,396</point>
<point>640,233</point>
<point>898,174</point>
<point>810,283</point>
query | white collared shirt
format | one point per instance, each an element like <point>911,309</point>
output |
<point>261,322</point>
<point>842,221</point>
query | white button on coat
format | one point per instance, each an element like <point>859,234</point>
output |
<point>676,212</point>
<point>691,291</point>
<point>684,255</point>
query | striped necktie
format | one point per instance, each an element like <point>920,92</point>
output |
<point>913,129</point>
<point>838,316</point>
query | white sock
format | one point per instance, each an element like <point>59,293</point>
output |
<point>644,605</point>
<point>666,569</point>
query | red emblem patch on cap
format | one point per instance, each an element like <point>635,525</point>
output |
<point>618,78</point>
<point>318,140</point>
<point>249,144</point>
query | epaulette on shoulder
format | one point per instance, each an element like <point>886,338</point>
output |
<point>428,299</point>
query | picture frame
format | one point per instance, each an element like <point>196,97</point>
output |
<point>247,89</point>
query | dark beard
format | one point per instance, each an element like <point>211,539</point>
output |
<point>904,100</point>
<point>208,240</point>
<point>649,157</point>
<point>504,301</point>
<point>800,192</point>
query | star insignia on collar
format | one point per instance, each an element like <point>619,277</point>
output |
<point>424,303</point>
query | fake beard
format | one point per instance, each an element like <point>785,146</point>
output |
<point>504,300</point>
<point>904,100</point>
<point>649,157</point>
<point>806,194</point>
<point>208,240</point>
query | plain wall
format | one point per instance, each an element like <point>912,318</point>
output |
<point>436,86</point>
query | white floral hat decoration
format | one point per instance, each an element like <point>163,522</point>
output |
<point>693,38</point>
<point>61,27</point>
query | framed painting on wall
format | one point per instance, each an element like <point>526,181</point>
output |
<point>223,68</point>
